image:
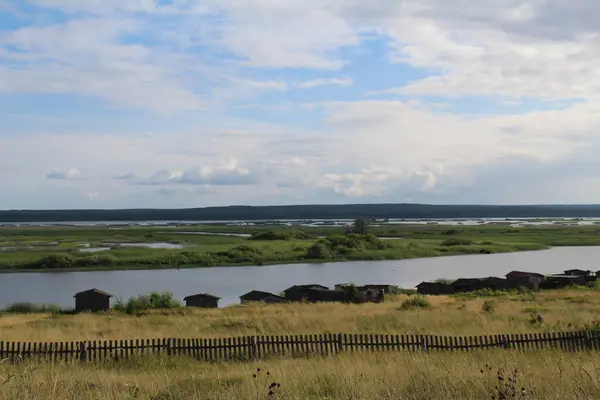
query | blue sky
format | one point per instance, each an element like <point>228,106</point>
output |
<point>111,104</point>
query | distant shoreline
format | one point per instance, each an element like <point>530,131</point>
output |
<point>342,211</point>
<point>264,264</point>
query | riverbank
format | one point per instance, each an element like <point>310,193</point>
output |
<point>60,249</point>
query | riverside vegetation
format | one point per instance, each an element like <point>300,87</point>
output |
<point>473,375</point>
<point>69,248</point>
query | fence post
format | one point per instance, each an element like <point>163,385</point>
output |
<point>253,347</point>
<point>588,340</point>
<point>83,351</point>
<point>340,342</point>
<point>505,341</point>
<point>423,343</point>
<point>169,347</point>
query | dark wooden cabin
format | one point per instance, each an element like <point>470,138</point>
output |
<point>387,289</point>
<point>259,296</point>
<point>530,280</point>
<point>578,272</point>
<point>301,292</point>
<point>202,300</point>
<point>562,281</point>
<point>434,288</point>
<point>464,285</point>
<point>92,300</point>
<point>496,283</point>
<point>317,294</point>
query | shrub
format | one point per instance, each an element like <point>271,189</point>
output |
<point>457,242</point>
<point>154,300</point>
<point>56,261</point>
<point>96,260</point>
<point>413,302</point>
<point>489,306</point>
<point>31,308</point>
<point>243,253</point>
<point>594,284</point>
<point>319,250</point>
<point>281,235</point>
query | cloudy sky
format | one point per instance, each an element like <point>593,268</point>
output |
<point>184,103</point>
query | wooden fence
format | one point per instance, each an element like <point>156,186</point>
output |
<point>253,347</point>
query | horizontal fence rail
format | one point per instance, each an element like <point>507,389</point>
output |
<point>253,347</point>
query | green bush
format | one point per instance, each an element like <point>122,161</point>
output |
<point>242,254</point>
<point>457,242</point>
<point>96,260</point>
<point>334,245</point>
<point>319,250</point>
<point>413,302</point>
<point>489,306</point>
<point>57,261</point>
<point>280,235</point>
<point>154,300</point>
<point>31,308</point>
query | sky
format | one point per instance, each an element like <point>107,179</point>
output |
<point>192,103</point>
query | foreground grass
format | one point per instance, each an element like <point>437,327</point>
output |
<point>366,375</point>
<point>384,376</point>
<point>573,309</point>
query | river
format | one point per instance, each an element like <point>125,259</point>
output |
<point>231,282</point>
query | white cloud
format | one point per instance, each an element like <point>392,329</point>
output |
<point>324,82</point>
<point>201,56</point>
<point>70,174</point>
<point>227,174</point>
<point>92,195</point>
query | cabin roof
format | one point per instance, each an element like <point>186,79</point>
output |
<point>305,287</point>
<point>258,294</point>
<point>432,283</point>
<point>203,295</point>
<point>95,291</point>
<point>523,274</point>
<point>560,276</point>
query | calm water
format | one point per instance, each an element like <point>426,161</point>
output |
<point>231,282</point>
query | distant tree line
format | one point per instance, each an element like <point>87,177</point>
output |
<point>304,212</point>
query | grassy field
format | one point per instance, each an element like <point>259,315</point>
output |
<point>60,248</point>
<point>542,374</point>
<point>411,376</point>
<point>576,309</point>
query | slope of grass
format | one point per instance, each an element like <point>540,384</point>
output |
<point>574,309</point>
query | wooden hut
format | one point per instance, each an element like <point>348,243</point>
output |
<point>387,289</point>
<point>259,296</point>
<point>301,292</point>
<point>530,280</point>
<point>562,281</point>
<point>578,272</point>
<point>92,300</point>
<point>202,300</point>
<point>464,285</point>
<point>317,294</point>
<point>434,288</point>
<point>495,283</point>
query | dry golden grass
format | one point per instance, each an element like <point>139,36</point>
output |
<point>402,375</point>
<point>561,310</point>
<point>382,376</point>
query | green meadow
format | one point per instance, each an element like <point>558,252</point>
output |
<point>63,248</point>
